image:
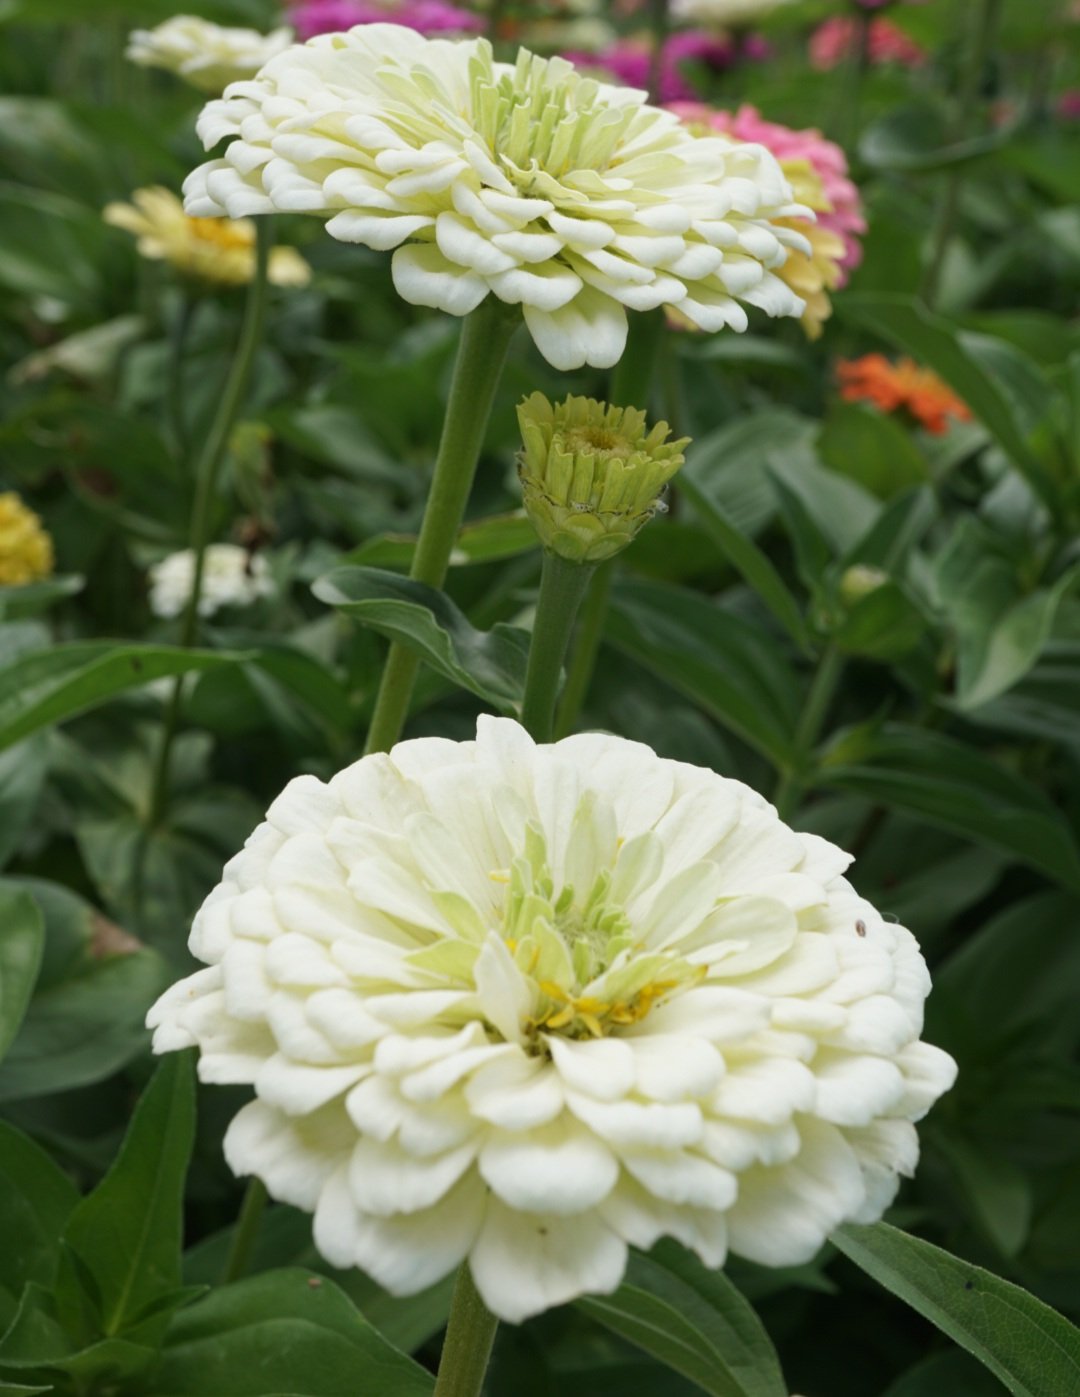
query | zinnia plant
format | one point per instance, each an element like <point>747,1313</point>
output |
<point>903,386</point>
<point>207,56</point>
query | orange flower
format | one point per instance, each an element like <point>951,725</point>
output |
<point>890,387</point>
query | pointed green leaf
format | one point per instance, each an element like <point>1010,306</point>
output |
<point>490,664</point>
<point>22,942</point>
<point>128,1232</point>
<point>36,1200</point>
<point>953,785</point>
<point>279,1334</point>
<point>693,1320</point>
<point>1032,1349</point>
<point>730,668</point>
<point>49,686</point>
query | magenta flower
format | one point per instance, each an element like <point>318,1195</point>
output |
<point>311,17</point>
<point>630,61</point>
<point>824,156</point>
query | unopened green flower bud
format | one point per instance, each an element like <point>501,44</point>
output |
<point>592,475</point>
<point>859,581</point>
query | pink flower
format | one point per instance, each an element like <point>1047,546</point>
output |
<point>824,156</point>
<point>1068,106</point>
<point>630,61</point>
<point>833,43</point>
<point>311,17</point>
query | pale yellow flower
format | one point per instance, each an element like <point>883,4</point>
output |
<point>205,55</point>
<point>218,250</point>
<point>26,550</point>
<point>814,274</point>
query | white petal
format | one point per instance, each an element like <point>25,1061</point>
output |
<point>385,1179</point>
<point>672,1066</point>
<point>293,1157</point>
<point>424,277</point>
<point>557,1168</point>
<point>590,330</point>
<point>783,1215</point>
<point>525,1263</point>
<point>604,1068</point>
<point>517,1093</point>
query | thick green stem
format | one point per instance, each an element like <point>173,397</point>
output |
<point>485,337</point>
<point>792,783</point>
<point>562,586</point>
<point>207,470</point>
<point>631,384</point>
<point>587,648</point>
<point>469,1338</point>
<point>987,14</point>
<point>247,1229</point>
<point>179,333</point>
<point>659,23</point>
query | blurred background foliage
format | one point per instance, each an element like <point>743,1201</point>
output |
<point>877,626</point>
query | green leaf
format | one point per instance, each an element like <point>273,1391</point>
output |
<point>730,668</point>
<point>22,941</point>
<point>995,1191</point>
<point>483,541</point>
<point>8,1389</point>
<point>1001,631</point>
<point>883,625</point>
<point>952,1372</point>
<point>748,559</point>
<point>128,1232</point>
<point>490,664</point>
<point>952,785</point>
<point>695,1321</point>
<point>84,1028</point>
<point>956,357</point>
<point>282,1334</point>
<point>872,449</point>
<point>1032,1349</point>
<point>32,597</point>
<point>49,686</point>
<point>36,1200</point>
<point>727,466</point>
<point>917,137</point>
<point>22,776</point>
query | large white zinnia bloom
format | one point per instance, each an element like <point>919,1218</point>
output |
<point>205,55</point>
<point>547,189</point>
<point>531,1005</point>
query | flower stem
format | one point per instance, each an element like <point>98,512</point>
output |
<point>792,784</point>
<point>485,337</point>
<point>987,14</point>
<point>247,1228</point>
<point>631,382</point>
<point>469,1338</point>
<point>583,662</point>
<point>179,335</point>
<point>563,585</point>
<point>207,470</point>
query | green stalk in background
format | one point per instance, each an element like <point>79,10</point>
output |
<point>985,19</point>
<point>207,472</point>
<point>792,784</point>
<point>659,23</point>
<point>485,338</point>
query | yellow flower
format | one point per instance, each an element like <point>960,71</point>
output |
<point>812,275</point>
<point>26,550</point>
<point>220,250</point>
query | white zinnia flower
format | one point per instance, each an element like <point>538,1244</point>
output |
<point>565,195</point>
<point>231,577</point>
<point>725,11</point>
<point>204,54</point>
<point>531,1005</point>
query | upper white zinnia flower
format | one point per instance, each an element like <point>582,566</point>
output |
<point>531,1005</point>
<point>725,11</point>
<point>204,54</point>
<point>565,195</point>
<point>231,577</point>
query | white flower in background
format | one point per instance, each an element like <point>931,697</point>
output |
<point>204,54</point>
<point>565,195</point>
<point>231,577</point>
<point>531,1005</point>
<point>725,11</point>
